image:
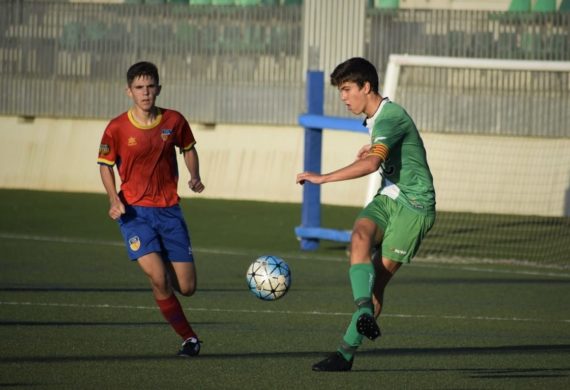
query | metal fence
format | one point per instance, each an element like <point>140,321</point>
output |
<point>502,102</point>
<point>238,64</point>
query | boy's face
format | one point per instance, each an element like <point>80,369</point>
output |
<point>354,97</point>
<point>143,90</point>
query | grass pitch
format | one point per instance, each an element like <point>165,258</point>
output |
<point>75,313</point>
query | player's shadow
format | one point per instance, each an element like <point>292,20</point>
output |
<point>486,373</point>
<point>484,281</point>
<point>449,351</point>
<point>58,324</point>
<point>104,324</point>
<point>104,289</point>
<point>75,289</point>
<point>533,350</point>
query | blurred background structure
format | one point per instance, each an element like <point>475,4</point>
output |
<point>498,140</point>
<point>236,61</point>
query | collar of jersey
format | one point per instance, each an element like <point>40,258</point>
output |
<point>369,122</point>
<point>140,125</point>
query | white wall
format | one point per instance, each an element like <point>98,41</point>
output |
<point>513,175</point>
<point>507,175</point>
<point>237,162</point>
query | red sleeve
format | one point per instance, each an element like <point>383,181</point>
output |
<point>186,138</point>
<point>107,149</point>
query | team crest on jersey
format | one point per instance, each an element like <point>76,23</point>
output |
<point>104,149</point>
<point>132,141</point>
<point>165,133</point>
<point>134,243</point>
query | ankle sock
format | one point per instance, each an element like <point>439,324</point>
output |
<point>362,282</point>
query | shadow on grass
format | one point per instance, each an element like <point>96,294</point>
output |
<point>77,323</point>
<point>483,281</point>
<point>73,289</point>
<point>106,324</point>
<point>518,373</point>
<point>104,289</point>
<point>506,349</point>
<point>486,373</point>
<point>387,352</point>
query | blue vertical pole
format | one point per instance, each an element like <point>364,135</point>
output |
<point>311,209</point>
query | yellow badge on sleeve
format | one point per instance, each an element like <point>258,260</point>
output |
<point>104,149</point>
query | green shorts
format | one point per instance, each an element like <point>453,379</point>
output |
<point>403,228</point>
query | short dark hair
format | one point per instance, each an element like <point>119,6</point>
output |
<point>141,69</point>
<point>357,70</point>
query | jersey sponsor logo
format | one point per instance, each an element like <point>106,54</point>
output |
<point>132,141</point>
<point>165,133</point>
<point>135,243</point>
<point>104,149</point>
<point>381,138</point>
<point>399,251</point>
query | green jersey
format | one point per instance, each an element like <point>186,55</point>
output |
<point>405,173</point>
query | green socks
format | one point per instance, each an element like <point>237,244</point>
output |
<point>362,282</point>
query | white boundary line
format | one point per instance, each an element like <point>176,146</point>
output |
<point>296,256</point>
<point>282,312</point>
<point>427,263</point>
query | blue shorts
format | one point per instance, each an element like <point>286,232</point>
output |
<point>156,229</point>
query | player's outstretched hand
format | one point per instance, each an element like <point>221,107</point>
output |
<point>196,185</point>
<point>311,177</point>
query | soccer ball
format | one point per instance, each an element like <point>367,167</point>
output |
<point>268,278</point>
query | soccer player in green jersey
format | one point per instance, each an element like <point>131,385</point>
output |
<point>398,217</point>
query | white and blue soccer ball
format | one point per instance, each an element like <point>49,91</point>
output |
<point>269,278</point>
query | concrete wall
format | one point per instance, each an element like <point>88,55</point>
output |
<point>528,176</point>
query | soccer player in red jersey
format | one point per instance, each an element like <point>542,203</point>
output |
<point>141,144</point>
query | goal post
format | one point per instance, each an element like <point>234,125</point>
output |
<point>498,144</point>
<point>398,61</point>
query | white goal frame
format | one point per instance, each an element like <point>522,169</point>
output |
<point>396,61</point>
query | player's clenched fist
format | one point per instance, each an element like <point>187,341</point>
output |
<point>196,185</point>
<point>116,210</point>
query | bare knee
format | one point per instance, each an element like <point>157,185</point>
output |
<point>360,243</point>
<point>187,289</point>
<point>187,292</point>
<point>360,235</point>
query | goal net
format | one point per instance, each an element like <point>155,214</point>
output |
<point>497,135</point>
